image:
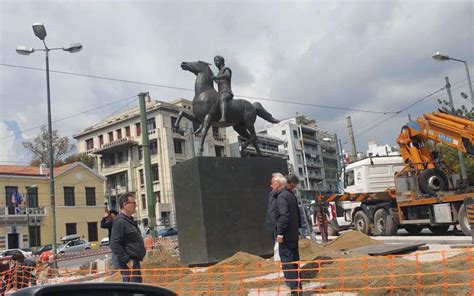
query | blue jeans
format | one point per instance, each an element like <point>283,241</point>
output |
<point>130,276</point>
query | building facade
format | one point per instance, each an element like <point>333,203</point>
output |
<point>311,153</point>
<point>269,146</point>
<point>117,144</point>
<point>25,212</point>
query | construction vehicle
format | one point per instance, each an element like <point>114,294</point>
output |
<point>426,192</point>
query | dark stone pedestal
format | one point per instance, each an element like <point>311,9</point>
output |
<point>221,206</point>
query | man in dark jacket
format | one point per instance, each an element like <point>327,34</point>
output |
<point>126,241</point>
<point>287,234</point>
<point>272,209</point>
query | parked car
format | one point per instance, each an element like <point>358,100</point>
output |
<point>78,245</point>
<point>43,249</point>
<point>167,232</point>
<point>11,252</point>
<point>104,241</point>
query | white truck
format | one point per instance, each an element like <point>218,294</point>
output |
<point>372,174</point>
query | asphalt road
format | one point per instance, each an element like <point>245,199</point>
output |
<point>86,258</point>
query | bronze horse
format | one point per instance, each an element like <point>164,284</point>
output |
<point>240,114</point>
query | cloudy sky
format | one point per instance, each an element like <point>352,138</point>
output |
<point>358,55</point>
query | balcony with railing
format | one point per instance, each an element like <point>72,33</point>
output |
<point>116,145</point>
<point>21,215</point>
<point>115,168</point>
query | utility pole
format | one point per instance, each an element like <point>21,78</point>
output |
<point>339,167</point>
<point>451,104</point>
<point>353,142</point>
<point>147,165</point>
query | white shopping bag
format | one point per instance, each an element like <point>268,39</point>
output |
<point>276,252</point>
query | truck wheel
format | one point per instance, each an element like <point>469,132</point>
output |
<point>361,222</point>
<point>463,222</point>
<point>384,223</point>
<point>332,229</point>
<point>432,181</point>
<point>439,229</point>
<point>413,229</point>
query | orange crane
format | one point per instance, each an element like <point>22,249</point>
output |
<point>439,127</point>
<point>423,196</point>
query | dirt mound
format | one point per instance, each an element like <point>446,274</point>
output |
<point>310,250</point>
<point>240,260</point>
<point>351,240</point>
<point>161,260</point>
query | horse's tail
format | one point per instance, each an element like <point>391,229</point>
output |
<point>261,112</point>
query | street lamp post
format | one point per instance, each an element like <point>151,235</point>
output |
<point>40,32</point>
<point>441,57</point>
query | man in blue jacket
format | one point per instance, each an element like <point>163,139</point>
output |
<point>126,241</point>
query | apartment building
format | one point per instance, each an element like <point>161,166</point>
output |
<point>117,143</point>
<point>25,213</point>
<point>311,152</point>
<point>269,146</point>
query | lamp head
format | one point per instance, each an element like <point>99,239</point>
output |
<point>24,50</point>
<point>39,30</point>
<point>441,57</point>
<point>73,47</point>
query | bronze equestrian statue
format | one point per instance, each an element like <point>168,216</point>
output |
<point>208,105</point>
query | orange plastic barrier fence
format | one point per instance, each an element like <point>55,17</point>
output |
<point>446,272</point>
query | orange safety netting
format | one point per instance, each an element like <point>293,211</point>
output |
<point>446,272</point>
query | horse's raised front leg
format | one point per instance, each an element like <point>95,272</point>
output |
<point>182,114</point>
<point>205,127</point>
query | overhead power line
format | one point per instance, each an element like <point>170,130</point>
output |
<point>68,117</point>
<point>192,90</point>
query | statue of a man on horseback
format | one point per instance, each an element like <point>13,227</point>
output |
<point>219,109</point>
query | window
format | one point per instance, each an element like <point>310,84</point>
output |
<point>143,202</point>
<point>165,218</point>
<point>300,171</point>
<point>215,132</point>
<point>120,157</point>
<point>153,147</point>
<point>173,121</point>
<point>32,197</point>
<point>349,179</point>
<point>154,173</point>
<point>139,130</point>
<point>71,228</point>
<point>69,198</point>
<point>89,144</point>
<point>119,134</point>
<point>92,231</point>
<point>127,131</point>
<point>178,146</point>
<point>298,158</point>
<point>34,232</point>
<point>101,140</point>
<point>283,132</point>
<point>295,134</point>
<point>219,151</point>
<point>90,196</point>
<point>111,136</point>
<point>142,179</point>
<point>157,196</point>
<point>151,124</point>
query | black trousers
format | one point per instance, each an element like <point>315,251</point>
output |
<point>288,253</point>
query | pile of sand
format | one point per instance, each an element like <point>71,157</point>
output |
<point>351,240</point>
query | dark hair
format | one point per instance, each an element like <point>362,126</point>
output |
<point>292,178</point>
<point>219,58</point>
<point>124,198</point>
<point>18,257</point>
<point>113,212</point>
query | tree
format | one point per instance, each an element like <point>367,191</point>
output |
<point>449,154</point>
<point>82,157</point>
<point>39,148</point>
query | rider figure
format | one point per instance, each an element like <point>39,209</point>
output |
<point>223,86</point>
